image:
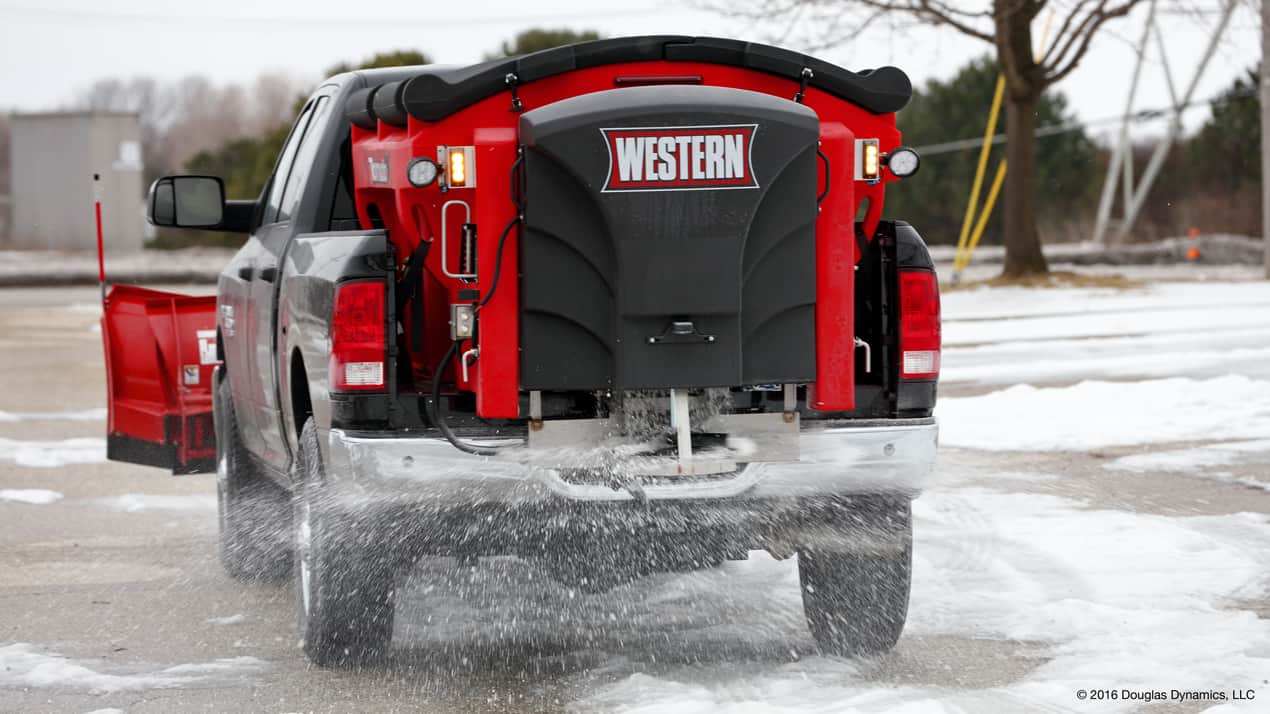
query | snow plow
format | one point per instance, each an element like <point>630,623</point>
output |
<point>619,307</point>
<point>160,351</point>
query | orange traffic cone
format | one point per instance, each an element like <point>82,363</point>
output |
<point>1192,253</point>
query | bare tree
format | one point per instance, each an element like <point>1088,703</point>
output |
<point>1007,26</point>
<point>181,118</point>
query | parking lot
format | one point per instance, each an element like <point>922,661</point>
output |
<point>1099,519</point>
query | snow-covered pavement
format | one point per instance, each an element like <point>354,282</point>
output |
<point>1099,522</point>
<point>1005,336</point>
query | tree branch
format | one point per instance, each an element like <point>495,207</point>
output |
<point>1057,71</point>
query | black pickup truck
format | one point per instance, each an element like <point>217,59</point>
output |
<point>620,307</point>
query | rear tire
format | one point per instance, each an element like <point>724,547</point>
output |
<point>856,601</point>
<point>343,583</point>
<point>254,514</point>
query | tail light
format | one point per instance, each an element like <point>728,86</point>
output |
<point>359,345</point>
<point>919,324</point>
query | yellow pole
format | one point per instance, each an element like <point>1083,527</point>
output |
<point>964,251</point>
<point>987,211</point>
<point>971,204</point>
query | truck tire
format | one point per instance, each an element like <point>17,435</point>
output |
<point>253,513</point>
<point>344,585</point>
<point>856,602</point>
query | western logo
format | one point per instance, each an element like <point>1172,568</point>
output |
<point>679,158</point>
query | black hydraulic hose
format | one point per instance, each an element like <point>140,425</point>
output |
<point>498,263</point>
<point>824,159</point>
<point>434,409</point>
<point>438,421</point>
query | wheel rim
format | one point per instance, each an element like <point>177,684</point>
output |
<point>304,549</point>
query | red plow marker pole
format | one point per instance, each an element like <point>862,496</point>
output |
<point>101,251</point>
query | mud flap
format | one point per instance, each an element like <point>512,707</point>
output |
<point>160,352</point>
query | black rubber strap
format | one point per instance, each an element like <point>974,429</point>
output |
<point>408,287</point>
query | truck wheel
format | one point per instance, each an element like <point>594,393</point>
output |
<point>344,585</point>
<point>856,602</point>
<point>253,513</point>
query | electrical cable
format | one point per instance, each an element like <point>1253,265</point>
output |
<point>434,412</point>
<point>1137,117</point>
<point>498,263</point>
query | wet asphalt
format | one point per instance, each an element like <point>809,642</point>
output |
<point>120,579</point>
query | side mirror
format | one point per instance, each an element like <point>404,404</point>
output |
<point>187,202</point>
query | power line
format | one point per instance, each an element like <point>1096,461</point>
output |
<point>1139,116</point>
<point>272,24</point>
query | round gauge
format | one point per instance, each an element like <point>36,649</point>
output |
<point>421,172</point>
<point>903,162</point>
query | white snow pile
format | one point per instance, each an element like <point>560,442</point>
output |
<point>1097,414</point>
<point>95,414</point>
<point>228,619</point>
<point>1213,301</point>
<point>136,502</point>
<point>1205,462</point>
<point>1123,600</point>
<point>21,665</point>
<point>51,454</point>
<point>34,496</point>
<point>1194,459</point>
<point>1012,335</point>
<point>1099,599</point>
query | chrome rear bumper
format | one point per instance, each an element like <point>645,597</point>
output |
<point>834,457</point>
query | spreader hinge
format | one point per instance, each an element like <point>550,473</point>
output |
<point>803,77</point>
<point>512,82</point>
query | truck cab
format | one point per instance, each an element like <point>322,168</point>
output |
<point>620,307</point>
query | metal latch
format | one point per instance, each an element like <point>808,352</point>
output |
<point>680,332</point>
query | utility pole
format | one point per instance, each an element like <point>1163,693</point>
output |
<point>1135,192</point>
<point>1265,130</point>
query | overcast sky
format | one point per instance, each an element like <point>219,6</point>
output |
<point>51,49</point>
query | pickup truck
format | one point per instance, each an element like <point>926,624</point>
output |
<point>620,307</point>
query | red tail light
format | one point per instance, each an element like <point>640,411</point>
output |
<point>359,345</point>
<point>919,324</point>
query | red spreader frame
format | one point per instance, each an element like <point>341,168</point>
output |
<point>412,214</point>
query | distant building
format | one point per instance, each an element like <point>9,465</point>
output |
<point>53,158</point>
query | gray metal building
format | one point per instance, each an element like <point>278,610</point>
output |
<point>53,158</point>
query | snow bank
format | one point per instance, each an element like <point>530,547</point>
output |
<point>1102,599</point>
<point>1014,335</point>
<point>815,684</point>
<point>37,496</point>
<point>98,414</point>
<point>1124,600</point>
<point>50,454</point>
<point>134,502</point>
<point>1195,458</point>
<point>22,666</point>
<point>1193,355</point>
<point>1095,414</point>
<point>1015,302</point>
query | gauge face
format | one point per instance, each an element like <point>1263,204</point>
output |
<point>422,172</point>
<point>903,162</point>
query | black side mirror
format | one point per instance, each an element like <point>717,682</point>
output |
<point>187,202</point>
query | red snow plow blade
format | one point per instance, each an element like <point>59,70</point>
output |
<point>160,353</point>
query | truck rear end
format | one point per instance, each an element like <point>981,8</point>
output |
<point>619,307</point>
<point>641,313</point>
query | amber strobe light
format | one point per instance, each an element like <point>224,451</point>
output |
<point>868,160</point>
<point>919,324</point>
<point>358,337</point>
<point>460,169</point>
